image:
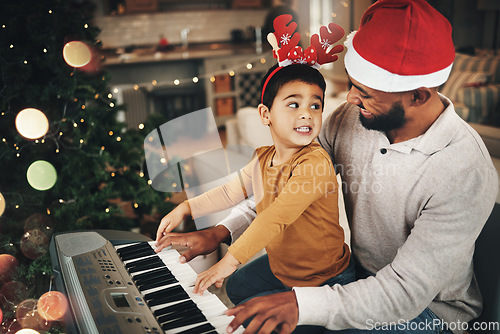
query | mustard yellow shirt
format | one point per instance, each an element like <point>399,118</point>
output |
<point>297,215</point>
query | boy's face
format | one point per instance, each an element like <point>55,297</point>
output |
<point>296,114</point>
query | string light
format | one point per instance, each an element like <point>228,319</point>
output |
<point>110,95</point>
<point>247,65</point>
<point>141,126</point>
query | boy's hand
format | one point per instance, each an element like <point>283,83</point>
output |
<point>172,220</point>
<point>216,273</point>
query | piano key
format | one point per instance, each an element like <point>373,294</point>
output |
<point>175,307</point>
<point>153,275</point>
<point>181,314</point>
<point>183,322</point>
<point>201,329</point>
<point>135,251</point>
<point>164,296</point>
<point>156,283</point>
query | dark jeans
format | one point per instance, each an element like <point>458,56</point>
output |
<point>256,279</point>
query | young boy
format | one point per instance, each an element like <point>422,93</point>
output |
<point>296,191</point>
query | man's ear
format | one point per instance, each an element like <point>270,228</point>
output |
<point>264,113</point>
<point>420,96</point>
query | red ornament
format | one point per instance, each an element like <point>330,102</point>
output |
<point>34,244</point>
<point>8,266</point>
<point>1,316</point>
<point>52,305</point>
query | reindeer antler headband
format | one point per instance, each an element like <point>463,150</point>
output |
<point>285,42</point>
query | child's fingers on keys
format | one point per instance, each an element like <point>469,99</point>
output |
<point>198,281</point>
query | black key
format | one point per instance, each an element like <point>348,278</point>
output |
<point>136,255</point>
<point>168,295</point>
<point>134,248</point>
<point>155,279</point>
<point>152,273</point>
<point>201,329</point>
<point>143,261</point>
<point>183,322</point>
<point>175,316</point>
<point>185,305</point>
<point>156,284</point>
<point>150,276</point>
<point>144,264</point>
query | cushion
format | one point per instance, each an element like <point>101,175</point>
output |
<point>252,131</point>
<point>488,64</point>
<point>459,79</point>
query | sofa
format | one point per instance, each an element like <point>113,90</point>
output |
<point>474,88</point>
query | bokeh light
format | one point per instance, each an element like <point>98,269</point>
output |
<point>77,54</point>
<point>41,175</point>
<point>52,305</point>
<point>32,123</point>
<point>27,331</point>
<point>2,204</point>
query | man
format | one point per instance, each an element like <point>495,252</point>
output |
<point>418,185</point>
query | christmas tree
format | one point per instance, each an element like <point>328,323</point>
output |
<point>66,162</point>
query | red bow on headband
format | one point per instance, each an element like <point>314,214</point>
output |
<point>285,42</point>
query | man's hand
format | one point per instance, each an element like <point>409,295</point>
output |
<point>200,242</point>
<point>278,312</point>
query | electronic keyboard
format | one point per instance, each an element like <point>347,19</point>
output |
<point>117,284</point>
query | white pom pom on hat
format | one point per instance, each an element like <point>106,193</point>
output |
<point>400,45</point>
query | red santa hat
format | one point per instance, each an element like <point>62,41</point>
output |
<point>400,45</point>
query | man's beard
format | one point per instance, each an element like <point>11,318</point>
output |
<point>394,119</point>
